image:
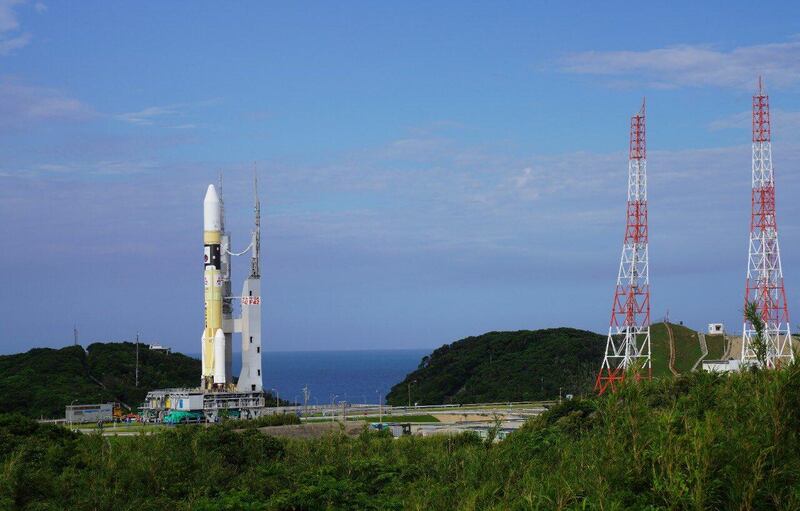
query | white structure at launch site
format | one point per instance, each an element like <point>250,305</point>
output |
<point>220,325</point>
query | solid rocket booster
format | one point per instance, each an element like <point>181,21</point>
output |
<point>212,277</point>
<point>219,358</point>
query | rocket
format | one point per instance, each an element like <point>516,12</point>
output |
<point>220,323</point>
<point>214,366</point>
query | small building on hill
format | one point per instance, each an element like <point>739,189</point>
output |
<point>716,328</point>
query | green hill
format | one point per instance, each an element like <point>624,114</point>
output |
<point>687,348</point>
<point>42,381</point>
<point>505,366</point>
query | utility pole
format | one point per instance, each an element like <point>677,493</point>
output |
<point>137,360</point>
<point>306,395</point>
<point>75,334</point>
<point>628,342</point>
<point>409,392</point>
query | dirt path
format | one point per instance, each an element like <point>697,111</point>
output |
<point>703,350</point>
<point>671,350</point>
<point>734,347</point>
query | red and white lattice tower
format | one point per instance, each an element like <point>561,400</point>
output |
<point>764,274</point>
<point>628,344</point>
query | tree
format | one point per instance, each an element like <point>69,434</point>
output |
<point>758,342</point>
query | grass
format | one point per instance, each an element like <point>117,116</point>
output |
<point>659,346</point>
<point>716,346</point>
<point>119,428</point>
<point>687,348</point>
<point>386,418</point>
<point>404,418</point>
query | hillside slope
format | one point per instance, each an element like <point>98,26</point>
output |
<point>687,348</point>
<point>505,366</point>
<point>42,381</point>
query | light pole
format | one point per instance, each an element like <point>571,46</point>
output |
<point>333,410</point>
<point>380,406</point>
<point>409,392</point>
<point>73,413</point>
<point>277,397</point>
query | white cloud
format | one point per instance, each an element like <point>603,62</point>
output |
<point>85,170</point>
<point>8,18</point>
<point>22,104</point>
<point>149,115</point>
<point>694,65</point>
<point>11,38</point>
<point>167,116</point>
<point>40,7</point>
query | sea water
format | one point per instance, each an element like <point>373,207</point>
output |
<point>363,376</point>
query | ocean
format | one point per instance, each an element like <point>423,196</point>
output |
<point>362,376</point>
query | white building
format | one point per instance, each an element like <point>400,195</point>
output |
<point>721,366</point>
<point>716,328</point>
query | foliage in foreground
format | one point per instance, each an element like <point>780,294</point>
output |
<point>703,441</point>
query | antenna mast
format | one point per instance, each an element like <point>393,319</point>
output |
<point>255,265</point>
<point>764,284</point>
<point>628,343</point>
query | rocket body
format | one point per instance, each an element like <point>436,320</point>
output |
<point>213,286</point>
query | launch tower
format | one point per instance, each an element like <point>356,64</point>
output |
<point>628,343</point>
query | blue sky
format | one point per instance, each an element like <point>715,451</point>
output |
<point>429,170</point>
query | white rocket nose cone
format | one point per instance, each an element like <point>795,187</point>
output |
<point>212,210</point>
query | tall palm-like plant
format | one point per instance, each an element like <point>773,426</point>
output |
<point>758,342</point>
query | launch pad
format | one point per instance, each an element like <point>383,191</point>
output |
<point>213,405</point>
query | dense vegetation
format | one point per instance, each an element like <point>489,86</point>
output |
<point>279,419</point>
<point>41,382</point>
<point>505,366</point>
<point>702,441</point>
